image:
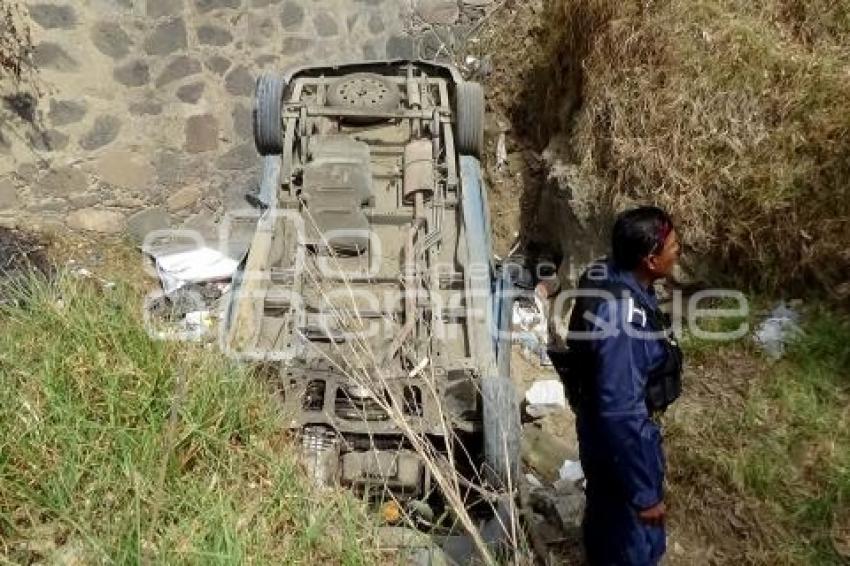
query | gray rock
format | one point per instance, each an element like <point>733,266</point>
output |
<point>444,12</point>
<point>145,107</point>
<point>243,156</point>
<point>142,223</point>
<point>132,74</point>
<point>96,220</point>
<point>167,37</point>
<point>214,35</point>
<point>183,198</point>
<point>376,24</point>
<point>50,140</point>
<point>204,6</point>
<point>159,8</point>
<point>50,224</point>
<point>292,15</point>
<point>50,16</point>
<point>169,168</point>
<point>50,55</point>
<point>204,224</point>
<point>265,60</point>
<point>182,66</point>
<point>218,64</point>
<point>110,39</point>
<point>369,52</point>
<point>48,205</point>
<point>56,140</point>
<point>201,133</point>
<point>370,2</point>
<point>124,168</point>
<point>263,3</point>
<point>190,93</point>
<point>325,24</point>
<point>27,172</point>
<point>242,121</point>
<point>103,132</point>
<point>64,112</point>
<point>293,45</point>
<point>83,200</point>
<point>62,181</point>
<point>8,194</point>
<point>260,31</point>
<point>239,81</point>
<point>400,47</point>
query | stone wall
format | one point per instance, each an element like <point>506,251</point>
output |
<point>145,118</point>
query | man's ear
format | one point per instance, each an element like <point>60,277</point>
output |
<point>650,262</point>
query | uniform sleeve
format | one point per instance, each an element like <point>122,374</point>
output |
<point>632,440</point>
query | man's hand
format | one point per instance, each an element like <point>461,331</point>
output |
<point>653,515</point>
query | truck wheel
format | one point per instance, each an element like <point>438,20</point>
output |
<point>268,131</point>
<point>470,118</point>
<point>501,431</point>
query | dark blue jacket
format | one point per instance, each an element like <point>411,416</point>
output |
<point>620,444</point>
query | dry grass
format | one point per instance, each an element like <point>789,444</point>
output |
<point>732,114</point>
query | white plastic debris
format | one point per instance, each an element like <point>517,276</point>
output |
<point>532,480</point>
<point>774,333</point>
<point>84,273</point>
<point>545,397</point>
<point>530,330</point>
<point>501,152</point>
<point>528,317</point>
<point>571,471</point>
<point>197,323</point>
<point>194,266</point>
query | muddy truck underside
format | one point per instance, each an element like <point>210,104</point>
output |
<point>368,286</point>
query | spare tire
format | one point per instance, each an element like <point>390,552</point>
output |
<point>469,99</point>
<point>268,130</point>
<point>366,92</point>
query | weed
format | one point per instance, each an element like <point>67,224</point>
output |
<point>91,469</point>
<point>772,467</point>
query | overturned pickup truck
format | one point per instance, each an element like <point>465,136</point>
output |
<point>369,287</point>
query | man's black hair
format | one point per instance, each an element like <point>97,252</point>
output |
<point>637,233</point>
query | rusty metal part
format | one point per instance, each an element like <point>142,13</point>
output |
<point>411,277</point>
<point>401,472</point>
<point>418,169</point>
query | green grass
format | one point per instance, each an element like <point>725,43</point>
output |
<point>91,471</point>
<point>783,449</point>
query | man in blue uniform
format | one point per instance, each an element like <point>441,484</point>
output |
<point>622,366</point>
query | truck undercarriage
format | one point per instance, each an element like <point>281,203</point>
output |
<point>369,284</point>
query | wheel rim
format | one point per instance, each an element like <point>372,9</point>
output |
<point>362,91</point>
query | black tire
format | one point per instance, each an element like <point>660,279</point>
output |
<point>469,133</point>
<point>268,130</point>
<point>502,431</point>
